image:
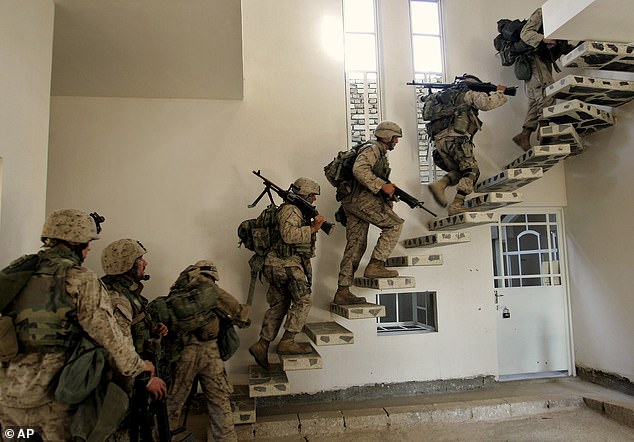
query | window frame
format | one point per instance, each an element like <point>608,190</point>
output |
<point>410,324</point>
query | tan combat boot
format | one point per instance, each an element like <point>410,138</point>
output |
<point>457,206</point>
<point>260,352</point>
<point>523,139</point>
<point>437,190</point>
<point>288,346</point>
<point>376,269</point>
<point>343,296</point>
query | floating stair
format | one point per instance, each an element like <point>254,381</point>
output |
<point>243,411</point>
<point>358,311</point>
<point>328,333</point>
<point>601,55</point>
<point>562,134</point>
<point>463,220</point>
<point>417,260</point>
<point>586,118</point>
<point>601,91</point>
<point>541,156</point>
<point>271,382</point>
<point>398,282</point>
<point>509,180</point>
<point>437,239</point>
<point>492,200</point>
<point>301,362</point>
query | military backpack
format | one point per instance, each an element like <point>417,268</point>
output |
<point>443,109</point>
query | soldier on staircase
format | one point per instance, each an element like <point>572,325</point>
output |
<point>369,203</point>
<point>453,131</point>
<point>288,270</point>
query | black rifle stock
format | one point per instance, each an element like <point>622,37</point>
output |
<point>401,195</point>
<point>478,87</point>
<point>290,197</point>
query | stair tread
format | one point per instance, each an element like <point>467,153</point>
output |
<point>492,200</point>
<point>463,220</point>
<point>601,55</point>
<point>510,179</point>
<point>586,118</point>
<point>358,311</point>
<point>437,239</point>
<point>561,134</point>
<point>543,156</point>
<point>328,333</point>
<point>307,361</point>
<point>600,91</point>
<point>414,260</point>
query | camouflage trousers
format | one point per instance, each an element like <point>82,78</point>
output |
<point>201,360</point>
<point>51,421</point>
<point>455,156</point>
<point>361,211</point>
<point>536,86</point>
<point>289,295</point>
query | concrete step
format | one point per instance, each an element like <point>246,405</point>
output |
<point>586,118</point>
<point>509,180</point>
<point>463,220</point>
<point>437,239</point>
<point>308,361</point>
<point>263,383</point>
<point>328,333</point>
<point>492,201</point>
<point>601,91</point>
<point>243,411</point>
<point>415,260</point>
<point>358,311</point>
<point>620,411</point>
<point>543,156</point>
<point>601,55</point>
<point>561,134</point>
<point>398,282</point>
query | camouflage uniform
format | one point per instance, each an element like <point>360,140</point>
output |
<point>365,206</point>
<point>288,270</point>
<point>26,393</point>
<point>533,34</point>
<point>454,150</point>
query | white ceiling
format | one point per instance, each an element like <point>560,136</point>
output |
<point>148,48</point>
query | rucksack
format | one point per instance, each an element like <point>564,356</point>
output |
<point>339,171</point>
<point>508,42</point>
<point>440,110</point>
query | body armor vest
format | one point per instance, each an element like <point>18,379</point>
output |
<point>45,316</point>
<point>285,250</point>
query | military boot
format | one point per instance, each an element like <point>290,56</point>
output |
<point>376,269</point>
<point>343,296</point>
<point>260,352</point>
<point>437,189</point>
<point>288,346</point>
<point>523,139</point>
<point>457,206</point>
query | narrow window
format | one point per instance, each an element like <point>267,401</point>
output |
<point>413,312</point>
<point>361,65</point>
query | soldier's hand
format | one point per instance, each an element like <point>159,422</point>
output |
<point>317,222</point>
<point>148,366</point>
<point>388,189</point>
<point>500,88</point>
<point>157,388</point>
<point>161,329</point>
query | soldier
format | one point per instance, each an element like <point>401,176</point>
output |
<point>453,123</point>
<point>370,203</point>
<point>124,265</point>
<point>200,311</point>
<point>60,302</point>
<point>288,270</point>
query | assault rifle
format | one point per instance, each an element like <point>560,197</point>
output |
<point>478,87</point>
<point>290,197</point>
<point>401,195</point>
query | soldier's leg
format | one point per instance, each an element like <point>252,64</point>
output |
<point>184,376</point>
<point>217,390</point>
<point>469,173</point>
<point>356,243</point>
<point>51,421</point>
<point>278,301</point>
<point>299,291</point>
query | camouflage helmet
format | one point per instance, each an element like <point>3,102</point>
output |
<point>388,129</point>
<point>205,267</point>
<point>305,186</point>
<point>70,225</point>
<point>119,256</point>
<point>468,78</point>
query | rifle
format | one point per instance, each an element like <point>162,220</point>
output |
<point>401,195</point>
<point>478,87</point>
<point>290,197</point>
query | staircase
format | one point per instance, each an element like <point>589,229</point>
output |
<point>585,105</point>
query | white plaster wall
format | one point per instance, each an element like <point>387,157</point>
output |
<point>176,174</point>
<point>26,41</point>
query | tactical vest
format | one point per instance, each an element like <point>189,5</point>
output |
<point>141,319</point>
<point>447,109</point>
<point>45,316</point>
<point>285,250</point>
<point>382,167</point>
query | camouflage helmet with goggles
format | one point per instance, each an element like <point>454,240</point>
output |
<point>305,186</point>
<point>120,256</point>
<point>205,267</point>
<point>388,129</point>
<point>468,78</point>
<point>70,225</point>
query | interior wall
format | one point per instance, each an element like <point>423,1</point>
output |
<point>26,41</point>
<point>176,174</point>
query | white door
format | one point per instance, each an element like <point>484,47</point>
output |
<point>532,308</point>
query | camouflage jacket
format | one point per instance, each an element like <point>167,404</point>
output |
<point>295,232</point>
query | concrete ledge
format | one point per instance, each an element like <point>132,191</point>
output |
<point>366,419</point>
<point>322,422</point>
<point>404,415</point>
<point>276,426</point>
<point>622,412</point>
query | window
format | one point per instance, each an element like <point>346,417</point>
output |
<point>427,47</point>
<point>407,312</point>
<point>526,250</point>
<point>361,65</point>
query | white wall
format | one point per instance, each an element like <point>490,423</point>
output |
<point>176,174</point>
<point>26,41</point>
